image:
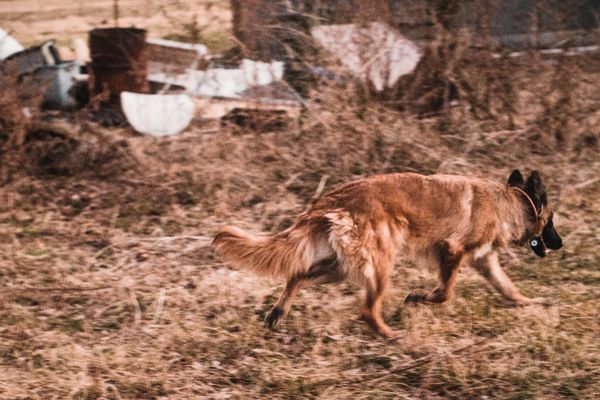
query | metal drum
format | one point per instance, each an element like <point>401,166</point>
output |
<point>119,62</point>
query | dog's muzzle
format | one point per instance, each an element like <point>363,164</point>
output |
<point>546,241</point>
<point>538,246</point>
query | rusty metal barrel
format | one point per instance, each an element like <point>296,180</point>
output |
<point>119,62</point>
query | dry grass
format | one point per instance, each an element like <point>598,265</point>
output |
<point>163,318</point>
<point>111,288</point>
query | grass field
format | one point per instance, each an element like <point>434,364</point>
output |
<point>111,289</point>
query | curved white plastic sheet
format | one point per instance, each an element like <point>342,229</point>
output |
<point>158,114</point>
<point>8,45</point>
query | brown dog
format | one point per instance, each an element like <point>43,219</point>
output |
<point>356,230</point>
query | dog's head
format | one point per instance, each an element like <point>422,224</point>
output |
<point>543,235</point>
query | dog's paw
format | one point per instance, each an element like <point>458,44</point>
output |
<point>273,317</point>
<point>415,298</point>
<point>392,335</point>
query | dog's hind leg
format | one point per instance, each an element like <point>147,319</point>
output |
<point>489,267</point>
<point>450,261</point>
<point>376,281</point>
<point>324,271</point>
<point>371,314</point>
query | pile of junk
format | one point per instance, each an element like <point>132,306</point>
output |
<point>158,86</point>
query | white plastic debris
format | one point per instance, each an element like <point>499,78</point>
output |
<point>217,82</point>
<point>258,73</point>
<point>158,114</point>
<point>224,82</point>
<point>374,51</point>
<point>81,50</point>
<point>8,45</point>
<point>201,49</point>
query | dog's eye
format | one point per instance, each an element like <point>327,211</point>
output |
<point>534,242</point>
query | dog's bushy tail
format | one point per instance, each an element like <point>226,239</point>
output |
<point>281,255</point>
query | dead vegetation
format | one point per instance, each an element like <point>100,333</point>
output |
<point>111,289</point>
<point>12,127</point>
<point>43,145</point>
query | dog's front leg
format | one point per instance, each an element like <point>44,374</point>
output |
<point>450,261</point>
<point>489,267</point>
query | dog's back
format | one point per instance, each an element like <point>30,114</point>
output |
<point>416,208</point>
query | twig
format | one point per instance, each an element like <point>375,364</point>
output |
<point>212,265</point>
<point>201,132</point>
<point>159,306</point>
<point>139,182</point>
<point>509,132</point>
<point>101,251</point>
<point>586,183</point>
<point>321,187</point>
<point>58,289</point>
<point>422,361</point>
<point>376,57</point>
<point>115,216</point>
<point>169,238</point>
<point>217,330</point>
<point>136,306</point>
<point>291,180</point>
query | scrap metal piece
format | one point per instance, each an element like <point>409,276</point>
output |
<point>64,87</point>
<point>33,58</point>
<point>119,61</point>
<point>43,79</point>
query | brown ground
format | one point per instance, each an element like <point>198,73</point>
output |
<point>112,290</point>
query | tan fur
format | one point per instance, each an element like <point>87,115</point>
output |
<point>356,230</point>
<point>284,255</point>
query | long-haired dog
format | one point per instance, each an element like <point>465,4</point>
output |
<point>357,229</point>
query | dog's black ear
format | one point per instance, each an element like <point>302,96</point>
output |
<point>534,183</point>
<point>516,178</point>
